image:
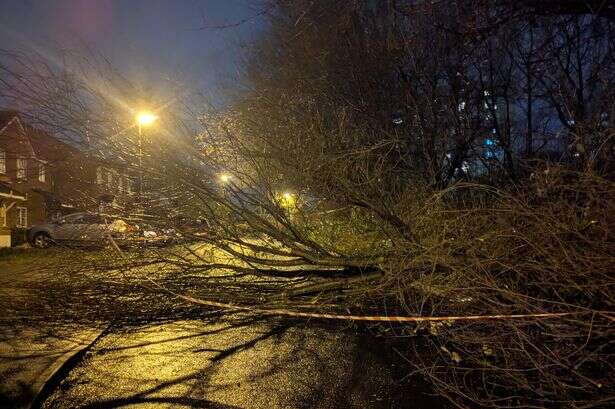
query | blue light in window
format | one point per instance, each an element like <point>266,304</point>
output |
<point>489,142</point>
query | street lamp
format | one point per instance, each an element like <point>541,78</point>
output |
<point>144,118</point>
<point>225,178</point>
<point>288,200</point>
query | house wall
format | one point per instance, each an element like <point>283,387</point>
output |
<point>36,212</point>
<point>16,145</point>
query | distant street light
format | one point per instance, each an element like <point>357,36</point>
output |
<point>225,178</point>
<point>144,118</point>
<point>288,200</point>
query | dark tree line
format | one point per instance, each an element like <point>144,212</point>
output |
<point>439,79</point>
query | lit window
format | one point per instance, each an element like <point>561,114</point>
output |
<point>109,180</point>
<point>2,161</point>
<point>22,168</point>
<point>41,173</point>
<point>22,217</point>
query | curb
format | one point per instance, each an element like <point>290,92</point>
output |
<point>50,379</point>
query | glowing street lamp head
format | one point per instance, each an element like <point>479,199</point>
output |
<point>288,200</point>
<point>146,118</point>
<point>225,178</point>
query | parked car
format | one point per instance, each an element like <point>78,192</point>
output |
<point>82,229</point>
<point>94,230</point>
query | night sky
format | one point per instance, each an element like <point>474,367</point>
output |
<point>147,40</point>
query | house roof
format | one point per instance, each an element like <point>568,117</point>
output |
<point>47,147</point>
<point>6,116</point>
<point>44,146</point>
<point>52,149</point>
<point>15,142</point>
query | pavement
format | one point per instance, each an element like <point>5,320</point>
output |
<point>29,357</point>
<point>31,350</point>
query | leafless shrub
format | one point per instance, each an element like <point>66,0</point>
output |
<point>546,247</point>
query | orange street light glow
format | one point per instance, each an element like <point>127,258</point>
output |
<point>146,118</point>
<point>288,200</point>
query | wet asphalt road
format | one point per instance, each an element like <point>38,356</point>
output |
<point>229,361</point>
<point>238,364</point>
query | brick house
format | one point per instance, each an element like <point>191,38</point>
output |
<point>21,171</point>
<point>42,177</point>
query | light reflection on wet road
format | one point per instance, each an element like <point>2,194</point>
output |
<point>227,365</point>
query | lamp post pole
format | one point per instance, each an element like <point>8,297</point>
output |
<point>140,181</point>
<point>143,118</point>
